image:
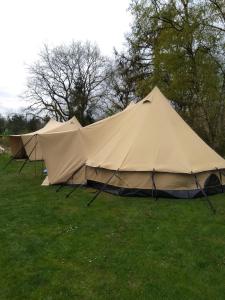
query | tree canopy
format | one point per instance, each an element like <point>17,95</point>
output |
<point>179,46</point>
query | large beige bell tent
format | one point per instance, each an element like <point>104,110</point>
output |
<point>27,145</point>
<point>147,149</point>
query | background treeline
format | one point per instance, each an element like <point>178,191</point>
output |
<point>20,123</point>
<point>178,45</point>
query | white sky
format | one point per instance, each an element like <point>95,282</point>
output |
<point>26,25</point>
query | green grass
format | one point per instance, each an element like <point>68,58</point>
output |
<point>119,248</point>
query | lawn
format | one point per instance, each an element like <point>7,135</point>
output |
<point>119,248</point>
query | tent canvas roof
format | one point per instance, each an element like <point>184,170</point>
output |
<point>72,124</point>
<point>150,135</point>
<point>55,126</point>
<point>52,124</point>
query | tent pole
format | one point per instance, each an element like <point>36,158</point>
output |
<point>101,190</point>
<point>21,148</point>
<point>204,194</point>
<point>27,159</point>
<point>154,192</point>
<point>63,184</point>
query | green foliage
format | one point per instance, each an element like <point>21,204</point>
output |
<point>179,46</point>
<point>119,248</point>
<point>19,123</point>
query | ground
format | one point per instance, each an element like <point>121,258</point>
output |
<point>119,248</point>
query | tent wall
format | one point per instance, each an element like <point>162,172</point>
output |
<point>143,180</point>
<point>141,184</point>
<point>64,153</point>
<point>32,147</point>
<point>180,194</point>
<point>17,147</point>
<point>166,184</point>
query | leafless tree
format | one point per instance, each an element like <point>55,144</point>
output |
<point>121,82</point>
<point>68,81</point>
<point>218,10</point>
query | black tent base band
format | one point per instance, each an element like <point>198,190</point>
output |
<point>177,194</point>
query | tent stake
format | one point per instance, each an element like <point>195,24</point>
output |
<point>101,190</point>
<point>204,194</point>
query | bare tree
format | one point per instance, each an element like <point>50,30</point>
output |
<point>68,81</point>
<point>121,82</point>
<point>218,12</point>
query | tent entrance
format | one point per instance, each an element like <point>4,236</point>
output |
<point>212,185</point>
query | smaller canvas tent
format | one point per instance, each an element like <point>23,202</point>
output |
<point>18,142</point>
<point>27,145</point>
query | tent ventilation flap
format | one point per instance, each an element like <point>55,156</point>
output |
<point>147,101</point>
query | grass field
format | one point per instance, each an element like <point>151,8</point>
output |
<point>119,248</point>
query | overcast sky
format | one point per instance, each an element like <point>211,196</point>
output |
<point>26,25</point>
